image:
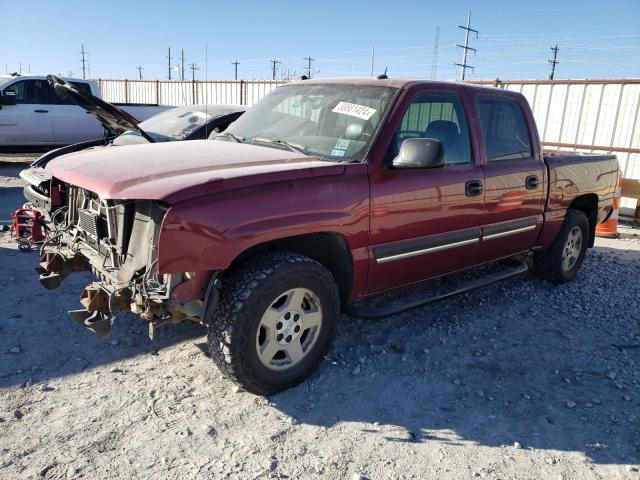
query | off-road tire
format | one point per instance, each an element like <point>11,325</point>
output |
<point>547,264</point>
<point>244,297</point>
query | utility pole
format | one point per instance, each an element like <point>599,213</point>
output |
<point>84,66</point>
<point>235,68</point>
<point>20,68</point>
<point>465,48</point>
<point>193,68</point>
<point>373,58</point>
<point>553,62</point>
<point>169,63</point>
<point>308,67</point>
<point>274,66</point>
<point>434,59</point>
<point>140,68</point>
<point>182,65</point>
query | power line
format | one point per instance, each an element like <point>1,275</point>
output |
<point>553,62</point>
<point>308,67</point>
<point>140,68</point>
<point>274,66</point>
<point>434,59</point>
<point>235,68</point>
<point>193,68</point>
<point>465,48</point>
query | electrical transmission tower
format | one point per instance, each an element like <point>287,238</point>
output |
<point>140,68</point>
<point>553,62</point>
<point>193,68</point>
<point>169,63</point>
<point>274,67</point>
<point>465,48</point>
<point>434,59</point>
<point>308,67</point>
<point>235,68</point>
<point>84,62</point>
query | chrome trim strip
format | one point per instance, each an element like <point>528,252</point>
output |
<point>423,251</point>
<point>508,232</point>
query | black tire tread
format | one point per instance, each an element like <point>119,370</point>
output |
<point>546,263</point>
<point>232,320</point>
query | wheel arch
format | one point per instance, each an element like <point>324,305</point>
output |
<point>588,204</point>
<point>329,249</point>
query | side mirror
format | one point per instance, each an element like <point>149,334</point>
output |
<point>8,98</point>
<point>419,153</point>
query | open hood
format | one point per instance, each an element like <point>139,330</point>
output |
<point>113,119</point>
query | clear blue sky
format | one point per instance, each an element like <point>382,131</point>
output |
<point>596,38</point>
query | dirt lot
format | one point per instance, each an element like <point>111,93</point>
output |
<point>519,380</point>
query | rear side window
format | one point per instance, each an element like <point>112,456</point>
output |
<point>506,136</point>
<point>83,87</point>
<point>31,91</point>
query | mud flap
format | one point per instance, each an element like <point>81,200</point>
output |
<point>98,322</point>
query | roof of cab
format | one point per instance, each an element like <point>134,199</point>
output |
<point>399,83</point>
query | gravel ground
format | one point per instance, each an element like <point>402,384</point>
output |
<point>519,380</point>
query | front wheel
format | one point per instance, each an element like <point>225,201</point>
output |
<point>275,321</point>
<point>562,260</point>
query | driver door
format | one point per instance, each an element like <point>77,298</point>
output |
<point>426,222</point>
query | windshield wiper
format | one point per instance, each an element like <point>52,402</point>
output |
<point>230,135</point>
<point>294,147</point>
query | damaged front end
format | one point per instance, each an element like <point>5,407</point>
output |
<point>116,240</point>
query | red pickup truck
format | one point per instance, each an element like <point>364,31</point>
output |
<point>323,194</point>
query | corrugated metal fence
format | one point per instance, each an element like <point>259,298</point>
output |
<point>576,115</point>
<point>170,92</point>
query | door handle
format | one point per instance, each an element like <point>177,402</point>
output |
<point>531,183</point>
<point>41,111</point>
<point>473,188</point>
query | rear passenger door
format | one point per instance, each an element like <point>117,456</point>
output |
<point>515,178</point>
<point>72,123</point>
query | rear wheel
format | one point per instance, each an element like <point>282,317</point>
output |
<point>275,321</point>
<point>562,260</point>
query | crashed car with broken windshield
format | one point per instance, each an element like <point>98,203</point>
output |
<point>324,193</point>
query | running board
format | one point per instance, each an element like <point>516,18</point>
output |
<point>511,269</point>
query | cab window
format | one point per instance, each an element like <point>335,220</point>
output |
<point>31,91</point>
<point>58,100</point>
<point>439,116</point>
<point>506,136</point>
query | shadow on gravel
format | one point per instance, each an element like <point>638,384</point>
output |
<point>549,367</point>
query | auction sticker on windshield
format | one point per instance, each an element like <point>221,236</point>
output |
<point>354,110</point>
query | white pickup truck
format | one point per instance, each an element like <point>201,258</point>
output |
<point>33,115</point>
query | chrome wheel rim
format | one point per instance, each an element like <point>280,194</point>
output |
<point>572,249</point>
<point>288,329</point>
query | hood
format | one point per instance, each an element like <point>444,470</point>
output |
<point>175,171</point>
<point>113,119</point>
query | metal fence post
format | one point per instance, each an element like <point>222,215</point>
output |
<point>158,92</point>
<point>126,91</point>
<point>242,99</point>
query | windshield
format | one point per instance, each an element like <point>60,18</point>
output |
<point>331,121</point>
<point>5,79</point>
<point>175,124</point>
